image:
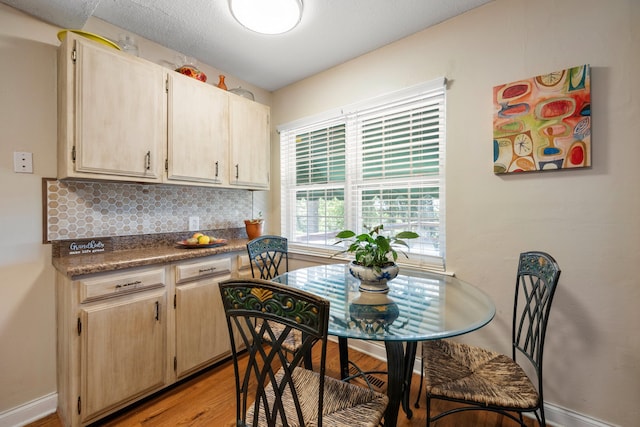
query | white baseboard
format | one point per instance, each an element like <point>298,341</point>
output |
<point>30,411</point>
<point>556,416</point>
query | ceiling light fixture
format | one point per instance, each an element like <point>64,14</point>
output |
<point>267,16</point>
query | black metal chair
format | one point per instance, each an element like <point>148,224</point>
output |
<point>284,393</point>
<point>486,380</point>
<point>268,256</point>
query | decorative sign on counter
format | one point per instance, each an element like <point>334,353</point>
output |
<point>86,246</point>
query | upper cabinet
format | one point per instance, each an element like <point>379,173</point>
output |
<point>112,110</point>
<point>124,118</point>
<point>250,147</point>
<point>198,132</point>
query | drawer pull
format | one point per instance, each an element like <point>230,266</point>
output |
<point>125,285</point>
<point>207,270</point>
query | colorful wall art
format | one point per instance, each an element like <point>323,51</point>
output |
<point>543,123</point>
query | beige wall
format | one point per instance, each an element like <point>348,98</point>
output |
<point>28,120</point>
<point>587,219</point>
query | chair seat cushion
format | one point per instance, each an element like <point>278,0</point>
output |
<point>345,405</point>
<point>291,343</point>
<point>463,372</point>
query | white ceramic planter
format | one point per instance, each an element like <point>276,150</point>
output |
<point>372,280</point>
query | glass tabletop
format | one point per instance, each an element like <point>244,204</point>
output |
<point>419,306</point>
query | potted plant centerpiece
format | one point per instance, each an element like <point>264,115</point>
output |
<point>375,256</point>
<point>254,226</point>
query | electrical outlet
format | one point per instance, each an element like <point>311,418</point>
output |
<point>22,162</point>
<point>194,223</point>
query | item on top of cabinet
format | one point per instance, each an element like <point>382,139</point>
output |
<point>189,67</point>
<point>221,84</point>
<point>243,93</point>
<point>192,71</point>
<point>128,44</point>
<point>96,38</point>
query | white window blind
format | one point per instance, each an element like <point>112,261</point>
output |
<point>378,162</point>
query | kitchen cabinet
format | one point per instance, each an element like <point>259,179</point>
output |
<point>127,119</point>
<point>249,143</point>
<point>112,114</point>
<point>125,334</point>
<point>201,331</point>
<point>198,132</point>
<point>122,350</point>
<point>112,341</point>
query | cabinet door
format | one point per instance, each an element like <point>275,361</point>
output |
<point>123,350</point>
<point>250,143</point>
<point>120,114</point>
<point>198,137</point>
<point>201,328</point>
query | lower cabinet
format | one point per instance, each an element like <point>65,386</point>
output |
<point>201,331</point>
<point>122,353</point>
<point>127,334</point>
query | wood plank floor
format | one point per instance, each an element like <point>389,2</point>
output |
<point>208,399</point>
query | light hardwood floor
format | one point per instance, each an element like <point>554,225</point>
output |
<point>208,399</point>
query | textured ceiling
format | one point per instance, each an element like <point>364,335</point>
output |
<point>330,32</point>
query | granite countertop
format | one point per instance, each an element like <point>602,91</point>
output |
<point>137,251</point>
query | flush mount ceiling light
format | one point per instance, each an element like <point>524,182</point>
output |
<point>267,16</point>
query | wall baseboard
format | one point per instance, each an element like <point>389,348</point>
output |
<point>30,411</point>
<point>556,416</point>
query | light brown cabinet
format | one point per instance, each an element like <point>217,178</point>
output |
<point>125,334</point>
<point>112,341</point>
<point>201,331</point>
<point>198,132</point>
<point>125,118</point>
<point>249,143</point>
<point>112,114</point>
<point>122,350</point>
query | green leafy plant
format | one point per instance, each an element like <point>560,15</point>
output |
<point>372,249</point>
<point>257,220</point>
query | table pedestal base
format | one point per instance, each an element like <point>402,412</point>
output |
<point>400,358</point>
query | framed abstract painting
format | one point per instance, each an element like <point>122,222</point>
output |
<point>543,123</point>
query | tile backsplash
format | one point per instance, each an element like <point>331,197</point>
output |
<point>85,209</point>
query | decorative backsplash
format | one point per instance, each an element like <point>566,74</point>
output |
<point>86,209</point>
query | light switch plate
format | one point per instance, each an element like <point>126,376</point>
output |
<point>22,162</point>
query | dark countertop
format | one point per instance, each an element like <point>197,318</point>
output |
<point>137,252</point>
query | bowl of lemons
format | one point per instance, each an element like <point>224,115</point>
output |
<point>201,240</point>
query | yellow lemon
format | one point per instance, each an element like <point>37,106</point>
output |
<point>203,240</point>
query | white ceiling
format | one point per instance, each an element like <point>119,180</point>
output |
<point>330,32</point>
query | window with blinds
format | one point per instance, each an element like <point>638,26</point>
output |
<point>377,162</point>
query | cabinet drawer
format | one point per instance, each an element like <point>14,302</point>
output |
<point>114,284</point>
<point>186,272</point>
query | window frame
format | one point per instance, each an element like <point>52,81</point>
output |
<point>434,89</point>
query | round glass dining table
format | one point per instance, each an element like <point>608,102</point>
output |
<point>419,306</point>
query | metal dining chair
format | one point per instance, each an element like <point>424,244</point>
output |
<point>284,393</point>
<point>269,257</point>
<point>486,380</point>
